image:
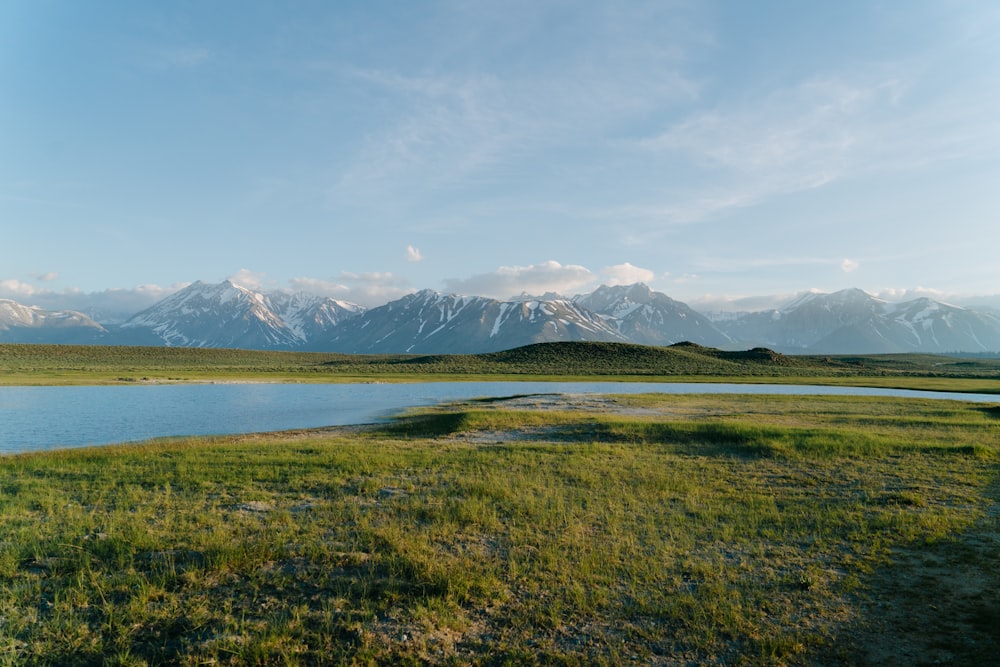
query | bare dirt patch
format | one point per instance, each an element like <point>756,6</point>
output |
<point>936,604</point>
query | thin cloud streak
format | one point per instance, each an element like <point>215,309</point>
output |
<point>458,131</point>
<point>706,142</point>
<point>737,264</point>
<point>788,141</point>
<point>825,130</point>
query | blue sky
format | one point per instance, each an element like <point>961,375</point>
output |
<point>714,150</point>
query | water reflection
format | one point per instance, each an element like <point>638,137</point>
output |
<point>35,418</point>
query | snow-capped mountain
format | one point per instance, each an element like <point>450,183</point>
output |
<point>651,318</point>
<point>804,321</point>
<point>852,321</point>
<point>920,325</point>
<point>31,324</point>
<point>429,322</point>
<point>230,315</point>
<point>311,317</point>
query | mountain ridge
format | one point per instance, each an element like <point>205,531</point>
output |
<point>231,315</point>
<point>429,322</point>
<point>31,324</point>
<point>227,314</point>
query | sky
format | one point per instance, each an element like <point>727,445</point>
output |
<point>726,153</point>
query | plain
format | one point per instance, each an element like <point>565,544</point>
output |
<point>534,530</point>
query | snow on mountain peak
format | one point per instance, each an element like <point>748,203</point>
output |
<point>228,314</point>
<point>231,315</point>
<point>14,314</point>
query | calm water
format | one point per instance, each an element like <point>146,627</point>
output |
<point>36,418</point>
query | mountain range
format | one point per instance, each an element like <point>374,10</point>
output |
<point>230,315</point>
<point>226,314</point>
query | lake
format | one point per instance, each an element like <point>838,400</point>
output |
<point>39,418</point>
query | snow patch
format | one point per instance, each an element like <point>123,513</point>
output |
<point>504,307</point>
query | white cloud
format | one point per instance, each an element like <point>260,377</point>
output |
<point>365,289</point>
<point>413,254</point>
<point>110,305</point>
<point>47,277</point>
<point>114,304</point>
<point>896,294</point>
<point>317,286</point>
<point>849,265</point>
<point>508,281</point>
<point>16,289</point>
<point>733,303</point>
<point>626,274</point>
<point>249,279</point>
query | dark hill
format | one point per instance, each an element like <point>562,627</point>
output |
<point>606,358</point>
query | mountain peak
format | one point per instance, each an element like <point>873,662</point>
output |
<point>227,314</point>
<point>14,315</point>
<point>651,318</point>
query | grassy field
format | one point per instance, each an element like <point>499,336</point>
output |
<point>675,530</point>
<point>66,364</point>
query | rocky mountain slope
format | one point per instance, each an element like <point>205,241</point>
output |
<point>31,324</point>
<point>428,322</point>
<point>643,316</point>
<point>229,315</point>
<point>852,321</point>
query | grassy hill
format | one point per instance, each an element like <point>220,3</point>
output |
<point>68,364</point>
<point>587,358</point>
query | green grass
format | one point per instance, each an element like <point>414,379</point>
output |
<point>676,529</point>
<point>67,364</point>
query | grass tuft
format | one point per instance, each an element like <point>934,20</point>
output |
<point>685,529</point>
